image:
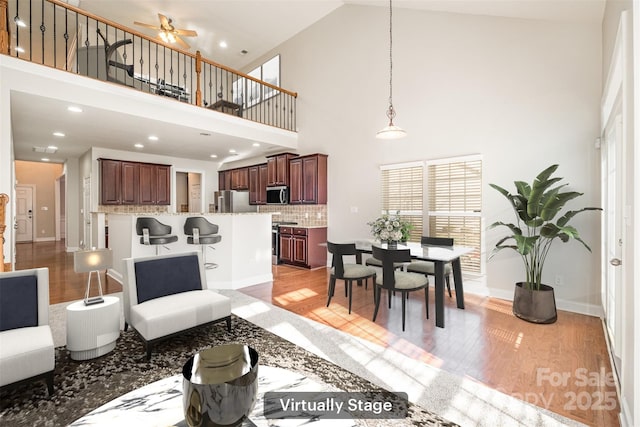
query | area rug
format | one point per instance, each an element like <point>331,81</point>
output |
<point>83,386</point>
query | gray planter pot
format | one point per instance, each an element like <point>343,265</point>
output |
<point>535,306</point>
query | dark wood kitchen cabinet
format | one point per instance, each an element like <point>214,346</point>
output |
<point>278,169</point>
<point>308,180</point>
<point>129,185</point>
<point>154,184</point>
<point>134,183</point>
<point>303,247</point>
<point>240,179</point>
<point>224,180</point>
<point>258,184</point>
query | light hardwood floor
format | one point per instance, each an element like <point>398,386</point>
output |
<point>563,367</point>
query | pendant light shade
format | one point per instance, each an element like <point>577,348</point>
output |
<point>391,131</point>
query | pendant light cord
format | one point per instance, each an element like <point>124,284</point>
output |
<point>391,113</point>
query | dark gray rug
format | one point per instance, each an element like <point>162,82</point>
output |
<point>83,386</point>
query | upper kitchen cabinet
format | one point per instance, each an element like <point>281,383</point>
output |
<point>155,184</point>
<point>240,179</point>
<point>224,180</point>
<point>119,182</point>
<point>258,184</point>
<point>278,169</point>
<point>133,183</point>
<point>234,179</point>
<point>308,180</point>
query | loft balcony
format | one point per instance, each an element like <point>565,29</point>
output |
<point>64,37</point>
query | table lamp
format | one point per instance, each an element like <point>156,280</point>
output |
<point>90,261</point>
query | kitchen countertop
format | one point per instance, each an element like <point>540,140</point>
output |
<point>303,226</point>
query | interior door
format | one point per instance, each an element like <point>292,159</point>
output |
<point>86,213</point>
<point>24,213</point>
<point>611,172</point>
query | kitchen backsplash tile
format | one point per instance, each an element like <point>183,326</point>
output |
<point>305,215</point>
<point>150,209</point>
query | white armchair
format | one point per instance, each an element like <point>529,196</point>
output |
<point>26,342</point>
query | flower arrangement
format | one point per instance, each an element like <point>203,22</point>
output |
<point>390,228</point>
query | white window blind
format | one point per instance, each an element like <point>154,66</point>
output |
<point>455,204</point>
<point>402,190</point>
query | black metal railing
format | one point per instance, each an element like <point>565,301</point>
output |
<point>61,36</point>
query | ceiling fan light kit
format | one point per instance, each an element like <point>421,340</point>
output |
<point>168,33</point>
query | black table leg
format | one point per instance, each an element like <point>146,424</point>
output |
<point>439,265</point>
<point>457,279</point>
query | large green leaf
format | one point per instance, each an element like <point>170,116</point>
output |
<point>525,243</point>
<point>540,185</point>
<point>553,205</point>
<point>514,228</point>
<point>523,188</point>
<point>564,219</point>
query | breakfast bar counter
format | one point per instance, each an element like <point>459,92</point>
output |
<point>243,256</point>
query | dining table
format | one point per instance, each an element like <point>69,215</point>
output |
<point>439,255</point>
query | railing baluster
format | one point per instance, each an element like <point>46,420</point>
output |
<point>132,65</point>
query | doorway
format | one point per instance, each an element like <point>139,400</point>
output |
<point>189,192</point>
<point>25,194</point>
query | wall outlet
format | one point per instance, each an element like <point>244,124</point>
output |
<point>559,280</point>
<point>306,215</point>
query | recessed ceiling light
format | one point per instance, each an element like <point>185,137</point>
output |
<point>232,150</point>
<point>205,134</point>
<point>214,156</point>
<point>255,144</point>
<point>45,159</point>
<point>19,49</point>
<point>153,138</point>
<point>52,148</point>
<point>138,145</point>
<point>74,109</point>
<point>243,52</point>
<point>58,134</point>
<point>223,44</point>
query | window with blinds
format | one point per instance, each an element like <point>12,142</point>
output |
<point>402,190</point>
<point>455,204</point>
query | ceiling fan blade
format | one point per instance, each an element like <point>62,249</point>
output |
<point>186,33</point>
<point>142,24</point>
<point>164,22</point>
<point>182,43</point>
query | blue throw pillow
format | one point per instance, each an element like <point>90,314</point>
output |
<point>18,302</point>
<point>167,276</point>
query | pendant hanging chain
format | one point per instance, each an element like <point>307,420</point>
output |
<point>391,113</point>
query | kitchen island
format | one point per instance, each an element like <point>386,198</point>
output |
<point>243,255</point>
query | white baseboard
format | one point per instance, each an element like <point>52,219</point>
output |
<point>561,304</point>
<point>44,239</point>
<point>72,248</point>
<point>115,275</point>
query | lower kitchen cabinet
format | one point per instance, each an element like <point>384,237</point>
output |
<point>303,247</point>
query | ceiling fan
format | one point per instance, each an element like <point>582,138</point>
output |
<point>168,33</point>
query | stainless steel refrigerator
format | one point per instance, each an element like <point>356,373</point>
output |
<point>233,201</point>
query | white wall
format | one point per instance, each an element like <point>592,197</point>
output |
<point>523,93</point>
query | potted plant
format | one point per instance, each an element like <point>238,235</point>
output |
<point>536,206</point>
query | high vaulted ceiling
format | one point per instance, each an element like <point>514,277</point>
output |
<point>256,26</point>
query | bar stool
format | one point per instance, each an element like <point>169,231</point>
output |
<point>201,232</point>
<point>154,232</point>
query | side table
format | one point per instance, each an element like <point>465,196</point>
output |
<point>92,330</point>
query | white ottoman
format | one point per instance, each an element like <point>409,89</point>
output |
<point>92,330</point>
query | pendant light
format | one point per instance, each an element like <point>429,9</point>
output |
<point>391,131</point>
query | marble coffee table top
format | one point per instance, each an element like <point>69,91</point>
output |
<point>160,403</point>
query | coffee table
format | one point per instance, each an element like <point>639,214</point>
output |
<point>160,403</point>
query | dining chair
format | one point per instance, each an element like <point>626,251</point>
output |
<point>347,271</point>
<point>401,281</point>
<point>427,267</point>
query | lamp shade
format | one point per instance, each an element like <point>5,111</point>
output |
<point>92,260</point>
<point>391,132</point>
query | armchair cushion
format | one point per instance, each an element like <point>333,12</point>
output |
<point>183,276</point>
<point>18,302</point>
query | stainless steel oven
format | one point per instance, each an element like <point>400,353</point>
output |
<point>275,240</point>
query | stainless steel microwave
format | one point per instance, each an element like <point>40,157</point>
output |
<point>278,195</point>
